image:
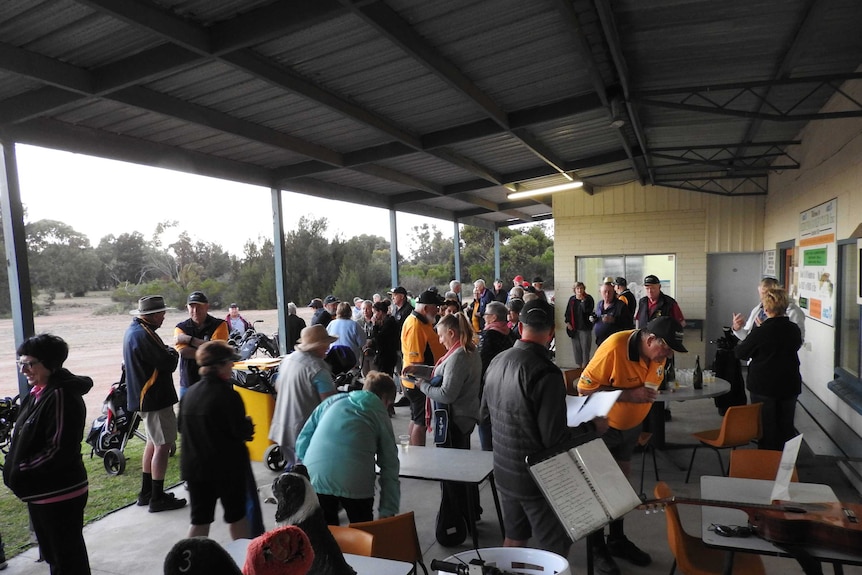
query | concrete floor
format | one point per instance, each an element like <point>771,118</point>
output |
<point>132,540</point>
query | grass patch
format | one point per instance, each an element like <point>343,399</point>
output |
<point>107,494</point>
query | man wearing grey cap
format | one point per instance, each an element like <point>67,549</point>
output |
<point>634,361</point>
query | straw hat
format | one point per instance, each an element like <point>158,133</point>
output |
<point>314,336</point>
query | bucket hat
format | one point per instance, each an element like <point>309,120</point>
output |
<point>314,336</point>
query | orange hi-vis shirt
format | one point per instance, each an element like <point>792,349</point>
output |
<point>618,363</point>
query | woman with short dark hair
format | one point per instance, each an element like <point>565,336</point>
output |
<point>44,467</point>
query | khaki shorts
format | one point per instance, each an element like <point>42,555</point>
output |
<point>161,425</point>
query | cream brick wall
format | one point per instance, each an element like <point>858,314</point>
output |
<point>633,219</point>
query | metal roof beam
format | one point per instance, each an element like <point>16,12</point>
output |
<point>390,24</point>
<point>146,15</point>
<point>612,37</point>
<point>44,69</point>
<point>176,108</point>
<point>270,22</point>
<point>84,140</point>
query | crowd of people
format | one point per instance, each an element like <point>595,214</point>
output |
<point>458,366</point>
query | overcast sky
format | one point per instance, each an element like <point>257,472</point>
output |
<point>98,197</point>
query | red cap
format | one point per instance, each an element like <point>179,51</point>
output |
<point>518,280</point>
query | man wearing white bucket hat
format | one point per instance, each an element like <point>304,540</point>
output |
<point>304,380</point>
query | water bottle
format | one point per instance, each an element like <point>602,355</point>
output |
<point>697,378</point>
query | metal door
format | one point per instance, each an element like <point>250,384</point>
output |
<point>731,287</point>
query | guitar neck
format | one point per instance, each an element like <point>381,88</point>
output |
<point>748,507</point>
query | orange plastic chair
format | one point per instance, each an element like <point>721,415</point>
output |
<point>690,553</point>
<point>354,541</point>
<point>740,426</point>
<point>572,376</point>
<point>395,538</point>
<point>756,464</point>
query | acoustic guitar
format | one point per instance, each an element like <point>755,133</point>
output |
<point>834,526</point>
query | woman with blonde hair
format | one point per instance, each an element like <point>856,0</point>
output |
<point>454,391</point>
<point>773,373</point>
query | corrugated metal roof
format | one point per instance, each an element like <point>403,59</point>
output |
<point>430,107</point>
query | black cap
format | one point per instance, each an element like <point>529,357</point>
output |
<point>330,299</point>
<point>399,289</point>
<point>538,280</point>
<point>232,305</point>
<point>316,303</point>
<point>651,280</point>
<point>430,297</point>
<point>669,330</point>
<point>620,281</point>
<point>197,297</point>
<point>538,313</point>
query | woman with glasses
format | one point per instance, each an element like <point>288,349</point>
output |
<point>44,467</point>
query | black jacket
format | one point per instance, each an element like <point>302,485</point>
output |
<point>525,397</point>
<point>214,429</point>
<point>774,367</point>
<point>44,459</point>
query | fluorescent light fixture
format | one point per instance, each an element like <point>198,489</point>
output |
<point>545,190</point>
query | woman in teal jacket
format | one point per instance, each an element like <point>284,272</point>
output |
<point>340,444</point>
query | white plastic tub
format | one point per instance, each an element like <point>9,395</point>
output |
<point>516,559</point>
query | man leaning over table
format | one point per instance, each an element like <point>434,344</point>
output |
<point>634,361</point>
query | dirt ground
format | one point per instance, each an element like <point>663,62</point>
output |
<point>96,341</point>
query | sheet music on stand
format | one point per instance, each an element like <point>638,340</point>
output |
<point>583,484</point>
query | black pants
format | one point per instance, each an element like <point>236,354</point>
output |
<point>59,530</point>
<point>777,417</point>
<point>358,510</point>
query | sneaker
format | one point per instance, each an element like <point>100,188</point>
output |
<point>143,499</point>
<point>403,402</point>
<point>603,563</point>
<point>625,549</point>
<point>167,502</point>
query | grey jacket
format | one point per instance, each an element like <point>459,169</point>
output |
<point>462,374</point>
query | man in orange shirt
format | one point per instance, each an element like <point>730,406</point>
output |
<point>420,344</point>
<point>634,361</point>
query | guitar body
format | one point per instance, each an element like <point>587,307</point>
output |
<point>836,526</point>
<point>827,525</point>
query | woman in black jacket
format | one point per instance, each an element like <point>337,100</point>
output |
<point>44,466</point>
<point>773,373</point>
<point>385,341</point>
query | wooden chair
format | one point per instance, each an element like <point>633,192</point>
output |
<point>756,464</point>
<point>690,553</point>
<point>645,445</point>
<point>395,538</point>
<point>354,541</point>
<point>571,376</point>
<point>740,426</point>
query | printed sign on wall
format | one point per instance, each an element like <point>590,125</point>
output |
<point>818,261</point>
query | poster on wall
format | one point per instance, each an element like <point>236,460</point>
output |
<point>818,261</point>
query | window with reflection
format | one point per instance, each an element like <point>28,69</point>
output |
<point>847,328</point>
<point>593,269</point>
